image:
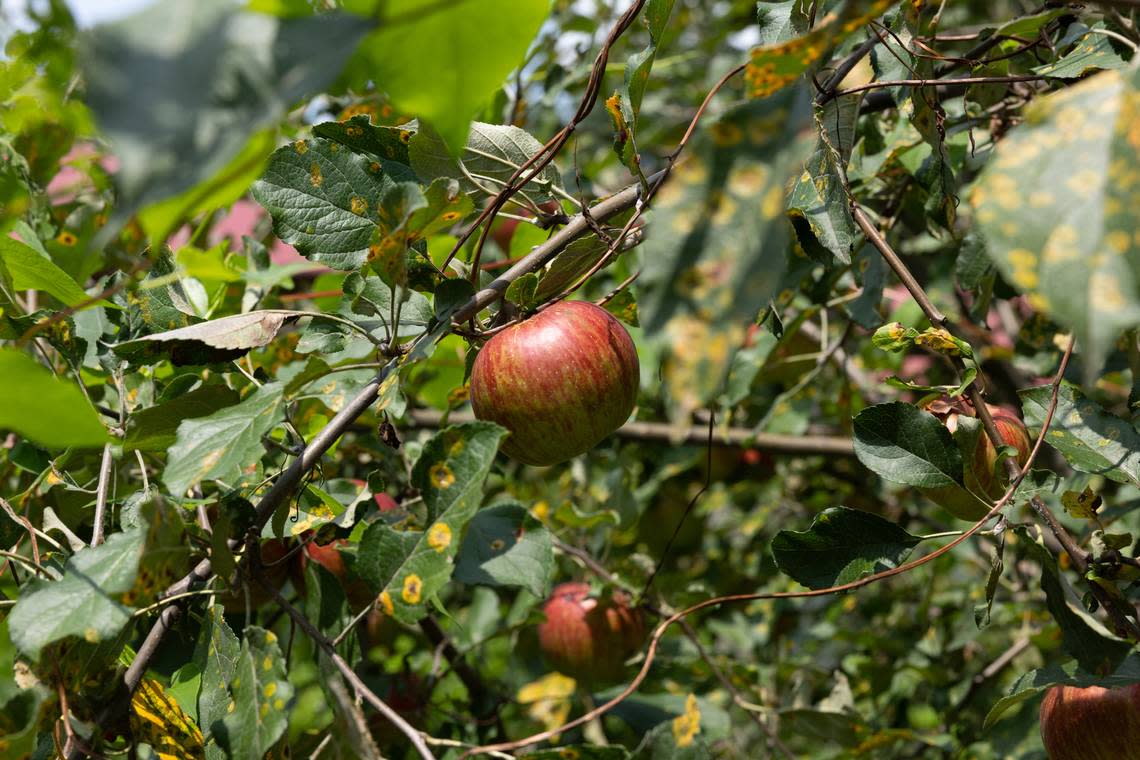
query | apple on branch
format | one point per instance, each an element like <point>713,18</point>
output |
<point>560,382</point>
<point>1091,723</point>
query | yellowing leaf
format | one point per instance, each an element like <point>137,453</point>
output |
<point>548,699</point>
<point>688,724</point>
<point>159,721</point>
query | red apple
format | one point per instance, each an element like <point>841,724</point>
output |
<point>560,382</point>
<point>329,557</point>
<point>1091,724</point>
<point>384,502</point>
<point>589,638</point>
<point>982,475</point>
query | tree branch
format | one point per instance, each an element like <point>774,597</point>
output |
<point>697,435</point>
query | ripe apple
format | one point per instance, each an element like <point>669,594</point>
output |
<point>589,638</point>
<point>560,382</point>
<point>1092,723</point>
<point>982,475</point>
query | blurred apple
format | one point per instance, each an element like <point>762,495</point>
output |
<point>981,473</point>
<point>1093,723</point>
<point>589,638</point>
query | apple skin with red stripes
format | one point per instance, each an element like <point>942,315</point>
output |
<point>590,638</point>
<point>560,382</point>
<point>1091,723</point>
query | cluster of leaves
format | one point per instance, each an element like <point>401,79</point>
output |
<point>229,231</point>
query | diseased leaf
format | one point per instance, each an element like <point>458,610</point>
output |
<point>218,340</point>
<point>260,693</point>
<point>772,67</point>
<point>216,655</point>
<point>1091,439</point>
<point>842,545</point>
<point>624,106</point>
<point>408,568</point>
<point>360,134</point>
<point>1056,205</point>
<point>505,546</point>
<point>324,199</point>
<point>224,443</point>
<point>725,252</point>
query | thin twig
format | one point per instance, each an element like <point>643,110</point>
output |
<point>888,83</point>
<point>101,491</point>
<point>346,672</point>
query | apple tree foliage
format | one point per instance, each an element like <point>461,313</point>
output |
<point>248,253</point>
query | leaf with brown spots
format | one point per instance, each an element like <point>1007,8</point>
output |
<point>1059,206</point>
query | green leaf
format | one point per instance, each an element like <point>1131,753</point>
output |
<point>625,104</point>
<point>261,693</point>
<point>1056,207</point>
<point>215,341</point>
<point>27,269</point>
<point>409,568</point>
<point>43,408</point>
<point>179,90</point>
<point>1090,439</point>
<point>324,199</point>
<point>505,546</point>
<point>1094,649</point>
<point>842,545</point>
<point>1091,50</point>
<point>997,566</point>
<point>493,153</point>
<point>223,444</point>
<point>522,291</point>
<point>817,200</point>
<point>573,262</point>
<point>904,444</point>
<point>85,602</point>
<point>462,52</point>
